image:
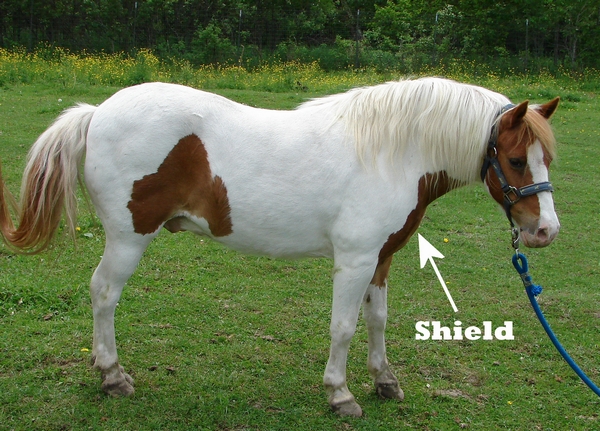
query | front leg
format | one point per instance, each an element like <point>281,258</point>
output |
<point>375,315</point>
<point>349,286</point>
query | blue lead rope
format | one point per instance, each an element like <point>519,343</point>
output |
<point>520,262</point>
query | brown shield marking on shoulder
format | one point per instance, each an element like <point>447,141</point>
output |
<point>183,182</point>
<point>431,187</point>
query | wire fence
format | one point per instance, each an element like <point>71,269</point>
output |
<point>335,36</point>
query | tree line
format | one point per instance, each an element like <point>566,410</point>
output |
<point>337,33</point>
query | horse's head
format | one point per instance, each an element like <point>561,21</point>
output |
<point>520,157</point>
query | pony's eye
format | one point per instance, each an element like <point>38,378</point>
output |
<point>517,163</point>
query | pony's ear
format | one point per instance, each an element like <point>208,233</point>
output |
<point>515,115</point>
<point>547,109</point>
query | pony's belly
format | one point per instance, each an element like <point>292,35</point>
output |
<point>259,240</point>
<point>289,248</point>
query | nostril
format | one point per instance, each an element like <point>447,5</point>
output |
<point>542,233</point>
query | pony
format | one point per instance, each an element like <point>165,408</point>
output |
<point>347,176</point>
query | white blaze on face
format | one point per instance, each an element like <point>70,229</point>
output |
<point>548,225</point>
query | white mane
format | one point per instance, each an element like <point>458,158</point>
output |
<point>449,121</point>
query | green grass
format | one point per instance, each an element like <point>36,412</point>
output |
<point>218,340</point>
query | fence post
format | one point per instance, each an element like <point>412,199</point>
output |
<point>356,57</point>
<point>526,44</point>
<point>434,57</point>
<point>135,6</point>
<point>239,32</point>
<point>31,26</point>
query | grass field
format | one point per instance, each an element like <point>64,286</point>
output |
<point>218,340</point>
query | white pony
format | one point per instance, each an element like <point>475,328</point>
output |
<point>347,176</point>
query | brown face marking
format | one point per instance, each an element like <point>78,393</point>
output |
<point>183,182</point>
<point>508,150</point>
<point>431,187</point>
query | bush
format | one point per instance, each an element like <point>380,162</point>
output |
<point>381,61</point>
<point>143,68</point>
<point>209,46</point>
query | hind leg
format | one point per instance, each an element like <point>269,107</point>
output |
<point>122,253</point>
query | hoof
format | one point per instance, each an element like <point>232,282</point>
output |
<point>347,408</point>
<point>390,391</point>
<point>119,384</point>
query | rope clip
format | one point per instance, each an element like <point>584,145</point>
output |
<point>516,238</point>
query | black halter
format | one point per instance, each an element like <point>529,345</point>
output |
<point>512,195</point>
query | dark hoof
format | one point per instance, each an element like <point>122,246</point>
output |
<point>390,391</point>
<point>347,408</point>
<point>120,384</point>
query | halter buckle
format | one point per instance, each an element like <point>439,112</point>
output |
<point>512,195</point>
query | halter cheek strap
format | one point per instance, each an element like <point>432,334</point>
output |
<point>512,194</point>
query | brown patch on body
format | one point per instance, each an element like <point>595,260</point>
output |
<point>182,183</point>
<point>431,187</point>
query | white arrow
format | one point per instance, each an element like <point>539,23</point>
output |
<point>428,252</point>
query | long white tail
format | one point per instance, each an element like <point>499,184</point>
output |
<point>49,183</point>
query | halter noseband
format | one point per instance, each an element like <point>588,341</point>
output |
<point>512,194</point>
